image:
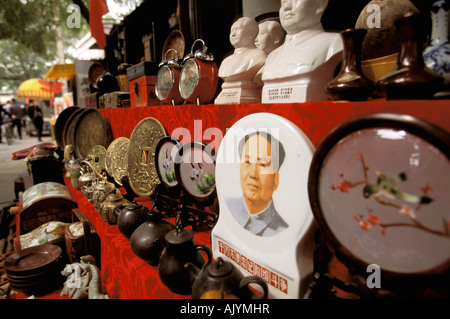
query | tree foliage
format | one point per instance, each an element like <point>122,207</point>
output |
<point>28,38</point>
<point>17,63</point>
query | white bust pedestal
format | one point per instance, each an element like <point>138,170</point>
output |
<point>240,92</point>
<point>238,72</point>
<point>300,69</point>
<point>304,87</point>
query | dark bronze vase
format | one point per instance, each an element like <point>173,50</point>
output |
<point>351,84</point>
<point>410,79</point>
<point>180,250</point>
<point>131,217</point>
<point>147,241</point>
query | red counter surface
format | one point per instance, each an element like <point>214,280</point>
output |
<point>125,275</point>
<point>315,119</point>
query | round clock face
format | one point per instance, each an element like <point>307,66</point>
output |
<point>164,82</point>
<point>189,78</point>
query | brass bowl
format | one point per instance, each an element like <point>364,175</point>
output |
<point>374,69</point>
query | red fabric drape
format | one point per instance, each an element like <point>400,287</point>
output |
<point>126,276</point>
<point>98,8</point>
<point>315,119</point>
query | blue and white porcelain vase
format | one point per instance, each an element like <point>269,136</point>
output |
<point>437,54</point>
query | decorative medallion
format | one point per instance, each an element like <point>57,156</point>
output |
<point>142,173</point>
<point>117,160</point>
<point>195,166</point>
<point>97,155</point>
<point>166,152</point>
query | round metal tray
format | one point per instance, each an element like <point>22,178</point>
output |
<point>69,127</point>
<point>32,260</point>
<point>90,130</point>
<point>60,124</point>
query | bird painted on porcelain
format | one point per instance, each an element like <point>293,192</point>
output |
<point>388,187</point>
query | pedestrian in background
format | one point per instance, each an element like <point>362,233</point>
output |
<point>16,116</point>
<point>3,115</point>
<point>35,114</point>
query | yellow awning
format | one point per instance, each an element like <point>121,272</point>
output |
<point>60,71</point>
<point>38,89</point>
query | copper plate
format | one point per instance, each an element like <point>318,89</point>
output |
<point>42,286</point>
<point>61,123</point>
<point>32,259</point>
<point>142,173</point>
<point>97,154</point>
<point>36,276</point>
<point>116,161</point>
<point>175,40</point>
<point>69,127</point>
<point>90,130</point>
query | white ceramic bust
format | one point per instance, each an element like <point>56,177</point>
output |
<point>239,69</point>
<point>271,36</point>
<point>300,69</point>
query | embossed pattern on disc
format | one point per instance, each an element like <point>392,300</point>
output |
<point>97,154</point>
<point>90,130</point>
<point>117,159</point>
<point>142,173</point>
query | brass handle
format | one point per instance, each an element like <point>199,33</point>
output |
<point>136,88</point>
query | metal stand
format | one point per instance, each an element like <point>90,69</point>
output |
<point>177,204</point>
<point>324,284</point>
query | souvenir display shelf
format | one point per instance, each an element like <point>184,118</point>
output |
<point>124,275</point>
